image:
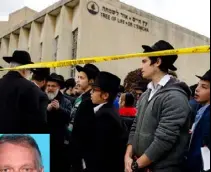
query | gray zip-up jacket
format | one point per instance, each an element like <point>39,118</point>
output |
<point>160,129</point>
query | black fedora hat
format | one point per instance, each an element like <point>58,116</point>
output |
<point>107,82</point>
<point>90,69</point>
<point>162,45</point>
<point>57,78</point>
<point>43,72</point>
<point>19,56</point>
<point>205,77</point>
<point>70,83</point>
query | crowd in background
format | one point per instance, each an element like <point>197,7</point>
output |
<point>97,126</point>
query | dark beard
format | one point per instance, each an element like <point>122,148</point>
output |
<point>43,88</point>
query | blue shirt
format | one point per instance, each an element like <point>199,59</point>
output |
<point>116,102</point>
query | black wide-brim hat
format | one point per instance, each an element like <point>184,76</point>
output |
<point>70,83</point>
<point>107,82</point>
<point>90,70</point>
<point>161,46</point>
<point>19,56</point>
<point>205,77</point>
<point>57,78</point>
<point>44,72</point>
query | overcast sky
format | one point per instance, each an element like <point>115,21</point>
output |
<point>192,14</point>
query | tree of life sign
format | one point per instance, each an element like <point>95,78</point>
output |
<point>118,17</point>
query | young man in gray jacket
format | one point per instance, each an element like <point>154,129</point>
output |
<point>159,134</point>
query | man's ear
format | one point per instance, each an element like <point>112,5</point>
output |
<point>91,81</point>
<point>158,62</point>
<point>105,96</point>
<point>43,83</point>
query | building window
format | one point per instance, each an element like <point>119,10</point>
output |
<point>41,45</point>
<point>56,40</point>
<point>74,49</point>
<point>56,48</point>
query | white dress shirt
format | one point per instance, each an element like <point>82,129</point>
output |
<point>155,88</point>
<point>98,107</point>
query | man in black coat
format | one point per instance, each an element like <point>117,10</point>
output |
<point>19,99</point>
<point>79,120</point>
<point>39,78</point>
<point>58,113</point>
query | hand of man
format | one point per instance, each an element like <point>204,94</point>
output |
<point>55,104</point>
<point>49,108</point>
<point>128,164</point>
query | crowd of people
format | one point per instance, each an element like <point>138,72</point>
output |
<point>96,126</point>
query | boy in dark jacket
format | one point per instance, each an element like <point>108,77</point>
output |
<point>109,130</point>
<point>201,127</point>
<point>86,77</point>
<point>81,119</point>
<point>98,135</point>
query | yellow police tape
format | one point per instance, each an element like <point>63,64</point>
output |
<point>64,63</point>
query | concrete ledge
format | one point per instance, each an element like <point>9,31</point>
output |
<point>161,20</point>
<point>39,15</point>
<point>121,5</point>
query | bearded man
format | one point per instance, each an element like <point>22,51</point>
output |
<point>58,114</point>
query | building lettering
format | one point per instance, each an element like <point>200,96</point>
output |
<point>124,19</point>
<point>106,16</point>
<point>118,17</point>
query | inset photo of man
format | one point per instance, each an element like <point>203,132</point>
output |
<point>25,152</point>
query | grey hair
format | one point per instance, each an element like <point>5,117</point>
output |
<point>23,139</point>
<point>14,64</point>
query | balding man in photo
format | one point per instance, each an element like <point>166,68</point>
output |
<point>19,153</point>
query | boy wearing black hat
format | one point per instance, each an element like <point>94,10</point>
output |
<point>106,153</point>
<point>86,77</point>
<point>201,127</point>
<point>81,120</point>
<point>159,134</point>
<point>19,99</point>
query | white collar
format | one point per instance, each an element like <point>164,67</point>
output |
<point>98,107</point>
<point>162,82</point>
<point>35,83</point>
